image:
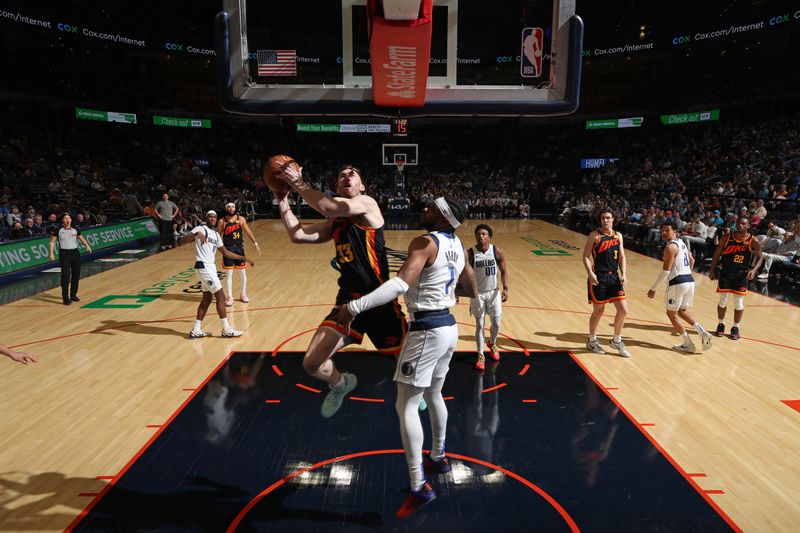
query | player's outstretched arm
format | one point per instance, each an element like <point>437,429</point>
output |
<point>299,233</point>
<point>421,251</point>
<point>328,207</point>
<point>249,233</point>
<point>236,257</point>
<point>670,252</point>
<point>19,357</point>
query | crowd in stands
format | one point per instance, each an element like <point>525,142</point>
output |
<point>702,176</point>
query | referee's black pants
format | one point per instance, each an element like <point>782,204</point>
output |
<point>70,261</point>
<point>166,232</point>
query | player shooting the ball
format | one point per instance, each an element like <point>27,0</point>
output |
<point>355,225</point>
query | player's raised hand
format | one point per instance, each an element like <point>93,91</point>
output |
<point>293,173</point>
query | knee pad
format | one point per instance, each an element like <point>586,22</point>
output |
<point>723,299</point>
<point>738,302</point>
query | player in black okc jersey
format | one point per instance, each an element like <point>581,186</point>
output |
<point>232,227</point>
<point>604,260</point>
<point>735,253</point>
<point>355,225</point>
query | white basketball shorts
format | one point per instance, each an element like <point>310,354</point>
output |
<point>209,278</point>
<point>425,355</point>
<point>489,302</point>
<point>680,296</point>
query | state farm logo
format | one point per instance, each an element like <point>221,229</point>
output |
<point>402,71</point>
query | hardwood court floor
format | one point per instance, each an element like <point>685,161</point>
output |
<point>108,377</point>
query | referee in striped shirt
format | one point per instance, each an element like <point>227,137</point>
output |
<point>68,257</point>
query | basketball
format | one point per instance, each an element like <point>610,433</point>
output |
<point>272,172</point>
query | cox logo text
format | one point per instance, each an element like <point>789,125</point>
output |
<point>780,19</point>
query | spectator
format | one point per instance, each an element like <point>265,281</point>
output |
<point>13,216</point>
<point>783,254</point>
<point>18,231</point>
<point>37,226</point>
<point>696,233</point>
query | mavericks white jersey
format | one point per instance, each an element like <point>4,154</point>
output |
<point>205,252</point>
<point>485,266</point>
<point>435,287</point>
<point>681,271</point>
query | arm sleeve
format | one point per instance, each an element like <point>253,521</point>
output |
<point>661,279</point>
<point>384,294</point>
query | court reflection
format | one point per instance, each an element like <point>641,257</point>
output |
<point>597,427</point>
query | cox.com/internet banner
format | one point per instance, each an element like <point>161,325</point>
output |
<point>34,252</point>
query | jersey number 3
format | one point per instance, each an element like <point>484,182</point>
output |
<point>345,253</point>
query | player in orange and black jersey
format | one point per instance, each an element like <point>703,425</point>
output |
<point>232,227</point>
<point>355,225</point>
<point>360,257</point>
<point>604,260</point>
<point>739,257</point>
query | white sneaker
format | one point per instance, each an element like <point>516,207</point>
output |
<point>198,334</point>
<point>620,347</point>
<point>594,346</point>
<point>705,340</point>
<point>687,347</point>
<point>231,333</point>
<point>763,275</point>
<point>333,400</point>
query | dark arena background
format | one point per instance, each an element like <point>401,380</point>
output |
<point>535,117</point>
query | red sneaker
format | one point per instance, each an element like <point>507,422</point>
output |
<point>480,364</point>
<point>494,352</point>
<point>442,466</point>
<point>416,499</point>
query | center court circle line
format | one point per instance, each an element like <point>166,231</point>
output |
<point>573,526</point>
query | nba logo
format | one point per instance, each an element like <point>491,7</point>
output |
<point>531,55</point>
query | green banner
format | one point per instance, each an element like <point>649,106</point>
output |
<point>344,128</point>
<point>685,118</point>
<point>105,116</point>
<point>34,252</point>
<point>318,128</point>
<point>180,122</point>
<point>614,123</point>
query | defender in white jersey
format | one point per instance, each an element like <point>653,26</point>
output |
<point>435,273</point>
<point>206,243</point>
<point>489,263</point>
<point>677,269</point>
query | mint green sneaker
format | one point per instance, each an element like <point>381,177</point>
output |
<point>333,400</point>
